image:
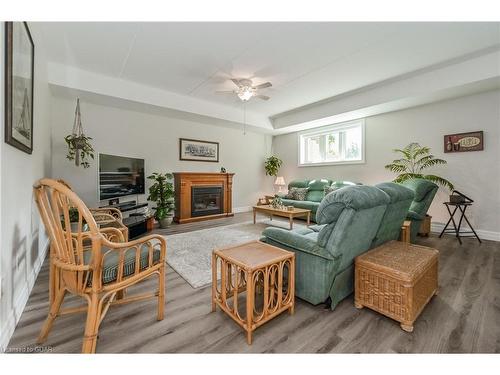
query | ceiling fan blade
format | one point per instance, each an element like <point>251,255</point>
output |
<point>262,85</point>
<point>236,82</point>
<point>225,92</point>
<point>263,97</point>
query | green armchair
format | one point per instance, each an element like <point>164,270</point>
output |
<point>390,226</point>
<point>425,191</point>
<point>348,220</point>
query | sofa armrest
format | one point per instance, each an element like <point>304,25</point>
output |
<point>412,215</point>
<point>296,241</point>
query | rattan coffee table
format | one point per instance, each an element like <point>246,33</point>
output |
<point>265,274</point>
<point>289,213</point>
<point>396,279</point>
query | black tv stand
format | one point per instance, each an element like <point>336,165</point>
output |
<point>136,223</point>
<point>127,206</point>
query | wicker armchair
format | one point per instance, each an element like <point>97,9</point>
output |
<point>105,217</point>
<point>94,263</point>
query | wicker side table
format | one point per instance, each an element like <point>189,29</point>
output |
<point>249,268</point>
<point>396,279</point>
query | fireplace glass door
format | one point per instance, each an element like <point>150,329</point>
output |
<point>206,200</point>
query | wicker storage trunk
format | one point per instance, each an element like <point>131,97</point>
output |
<point>396,279</point>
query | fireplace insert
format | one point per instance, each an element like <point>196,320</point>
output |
<point>206,200</point>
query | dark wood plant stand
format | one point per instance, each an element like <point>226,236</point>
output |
<point>457,228</point>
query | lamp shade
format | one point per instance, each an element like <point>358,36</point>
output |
<point>280,181</point>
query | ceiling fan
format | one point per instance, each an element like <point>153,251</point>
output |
<point>246,90</point>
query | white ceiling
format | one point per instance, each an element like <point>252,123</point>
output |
<point>306,62</point>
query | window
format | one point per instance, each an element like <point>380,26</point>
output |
<point>334,144</point>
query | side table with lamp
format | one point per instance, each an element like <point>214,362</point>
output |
<point>268,199</point>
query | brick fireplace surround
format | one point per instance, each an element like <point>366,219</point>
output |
<point>184,183</point>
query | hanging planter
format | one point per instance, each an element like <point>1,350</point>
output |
<point>79,147</point>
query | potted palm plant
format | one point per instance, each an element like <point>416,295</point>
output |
<point>162,193</point>
<point>414,160</point>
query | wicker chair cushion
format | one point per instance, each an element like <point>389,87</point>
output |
<point>110,269</point>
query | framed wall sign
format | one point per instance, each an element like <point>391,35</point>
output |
<point>464,142</point>
<point>196,150</point>
<point>19,78</point>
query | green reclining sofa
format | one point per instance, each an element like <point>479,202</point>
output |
<point>348,221</point>
<point>425,191</point>
<point>315,193</point>
<point>401,198</point>
<point>351,221</point>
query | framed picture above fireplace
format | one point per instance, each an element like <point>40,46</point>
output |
<point>196,150</point>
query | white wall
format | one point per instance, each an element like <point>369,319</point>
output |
<point>23,240</point>
<point>476,174</point>
<point>155,137</point>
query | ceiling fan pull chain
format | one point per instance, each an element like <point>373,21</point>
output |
<point>244,118</point>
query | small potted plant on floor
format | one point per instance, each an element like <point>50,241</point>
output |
<point>162,193</point>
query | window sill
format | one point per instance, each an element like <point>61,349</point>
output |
<point>347,162</point>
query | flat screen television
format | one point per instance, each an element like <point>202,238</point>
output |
<point>120,176</point>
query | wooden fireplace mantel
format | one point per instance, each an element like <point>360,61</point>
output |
<point>185,181</point>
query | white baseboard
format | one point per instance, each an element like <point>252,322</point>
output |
<point>11,320</point>
<point>483,234</point>
<point>238,210</point>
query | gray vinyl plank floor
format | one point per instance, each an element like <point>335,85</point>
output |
<point>463,318</point>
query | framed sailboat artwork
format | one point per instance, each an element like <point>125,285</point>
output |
<point>19,79</point>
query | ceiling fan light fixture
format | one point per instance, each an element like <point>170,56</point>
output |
<point>245,93</point>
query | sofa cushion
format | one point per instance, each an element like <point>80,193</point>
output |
<point>319,184</point>
<point>298,183</point>
<point>324,233</point>
<point>356,197</point>
<point>315,196</point>
<point>292,239</point>
<point>296,193</point>
<point>420,207</point>
<point>307,205</point>
<point>303,231</point>
<point>390,225</point>
<point>316,189</point>
<point>317,228</point>
<point>313,236</point>
<point>341,184</point>
<point>329,189</point>
<point>420,186</point>
<point>395,191</point>
<point>110,269</point>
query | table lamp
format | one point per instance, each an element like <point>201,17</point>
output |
<point>280,182</point>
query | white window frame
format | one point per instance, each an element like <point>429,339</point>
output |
<point>334,127</point>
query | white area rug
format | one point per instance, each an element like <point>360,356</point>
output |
<point>190,254</point>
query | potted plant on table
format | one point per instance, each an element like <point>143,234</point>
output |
<point>162,193</point>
